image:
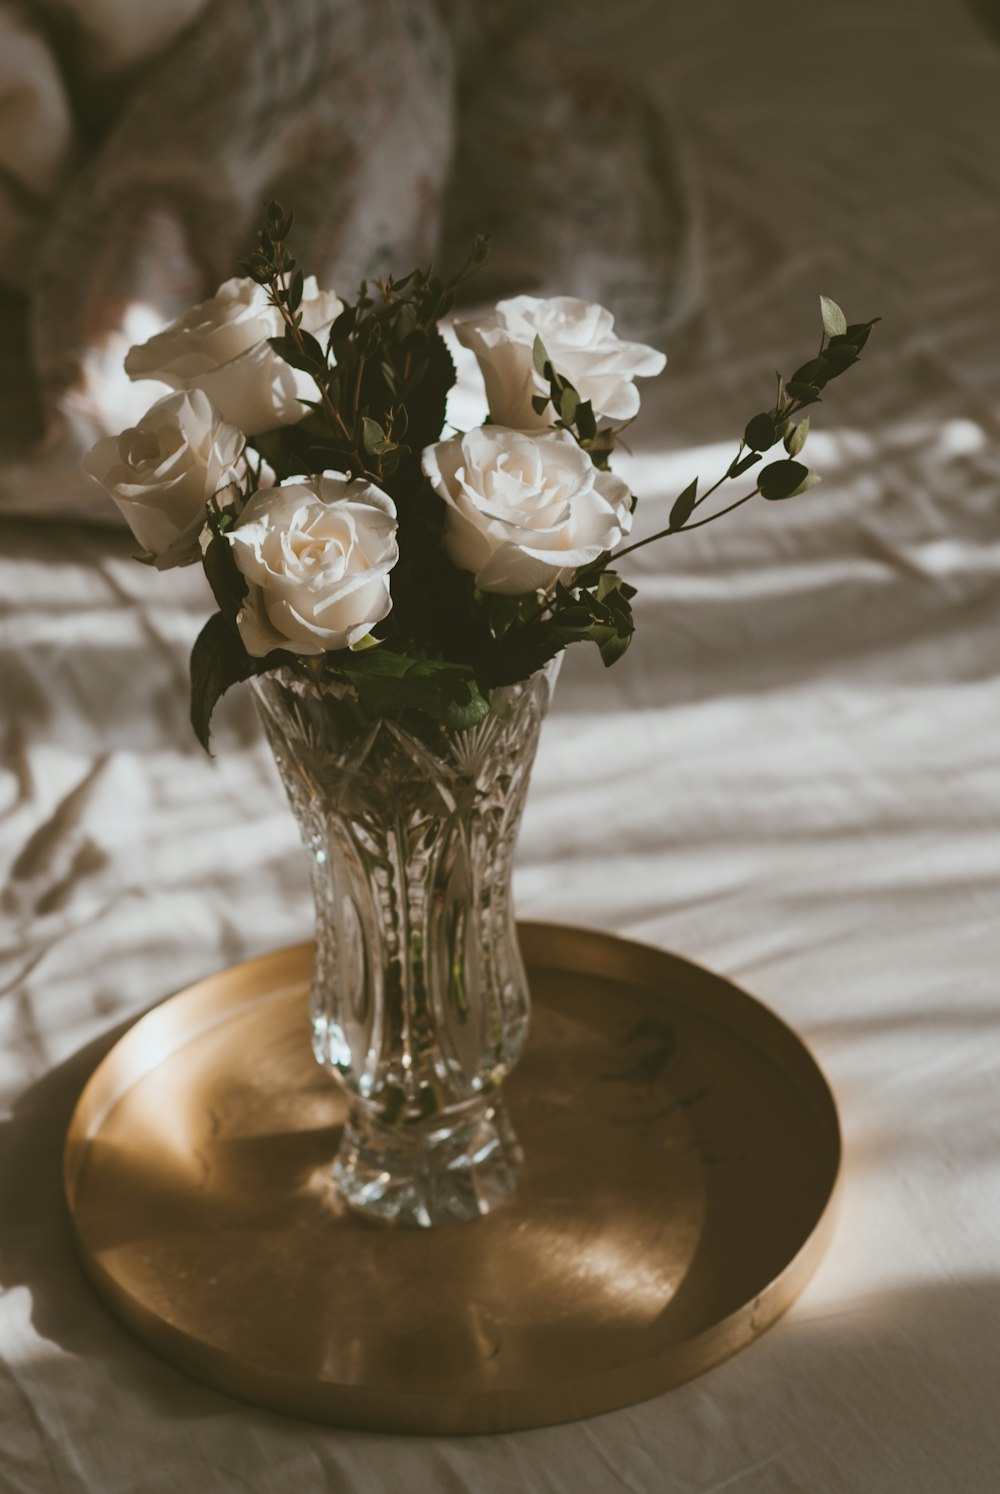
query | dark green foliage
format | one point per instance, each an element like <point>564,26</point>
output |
<point>389,684</point>
<point>684,506</point>
<point>795,436</point>
<point>224,576</point>
<point>575,615</point>
<point>218,660</point>
<point>760,432</point>
<point>743,464</point>
<point>781,479</point>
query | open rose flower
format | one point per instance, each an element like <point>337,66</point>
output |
<point>525,510</point>
<point>220,346</point>
<point>581,343</point>
<point>162,472</point>
<point>317,552</point>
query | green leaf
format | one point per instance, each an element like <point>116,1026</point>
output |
<point>504,611</point>
<point>609,582</point>
<point>311,348</point>
<point>218,660</point>
<point>859,332</point>
<point>841,354</point>
<point>781,396</point>
<point>781,479</point>
<point>601,447</point>
<point>540,403</point>
<point>586,425</point>
<point>406,322</point>
<point>612,648</point>
<point>744,464</point>
<point>604,618</point>
<point>294,300</point>
<point>806,394</point>
<point>540,357</point>
<point>413,343</point>
<point>227,581</point>
<point>259,269</point>
<point>526,650</point>
<point>568,404</point>
<point>344,325</point>
<point>385,662</point>
<point>683,507</point>
<point>425,403</point>
<point>373,435</point>
<point>306,361</point>
<point>809,481</point>
<point>617,600</point>
<point>611,608</point>
<point>816,371</point>
<point>457,703</point>
<point>834,320</point>
<point>588,574</point>
<point>796,438</point>
<point>388,683</point>
<point>760,432</point>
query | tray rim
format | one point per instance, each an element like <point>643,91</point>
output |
<point>474,1412</point>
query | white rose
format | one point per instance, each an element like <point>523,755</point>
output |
<point>525,510</point>
<point>162,472</point>
<point>580,340</point>
<point>221,347</point>
<point>317,552</point>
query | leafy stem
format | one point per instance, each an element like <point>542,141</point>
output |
<point>840,347</point>
<point>699,524</point>
<point>279,293</point>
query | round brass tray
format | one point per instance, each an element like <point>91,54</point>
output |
<point>682,1151</point>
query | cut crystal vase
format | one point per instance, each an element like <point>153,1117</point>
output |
<point>419,999</point>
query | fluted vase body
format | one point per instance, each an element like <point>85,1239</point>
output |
<point>419,1000</point>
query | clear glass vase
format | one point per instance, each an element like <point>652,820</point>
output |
<point>420,1003</point>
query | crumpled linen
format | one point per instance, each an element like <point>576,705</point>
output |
<point>792,777</point>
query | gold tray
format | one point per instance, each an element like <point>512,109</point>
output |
<point>682,1154</point>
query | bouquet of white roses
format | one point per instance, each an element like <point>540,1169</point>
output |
<point>301,460</point>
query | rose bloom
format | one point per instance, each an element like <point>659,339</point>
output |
<point>525,510</point>
<point>220,346</point>
<point>162,472</point>
<point>580,341</point>
<point>317,552</point>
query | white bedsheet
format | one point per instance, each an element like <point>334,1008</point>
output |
<point>793,777</point>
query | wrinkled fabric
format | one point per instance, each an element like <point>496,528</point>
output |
<point>793,777</point>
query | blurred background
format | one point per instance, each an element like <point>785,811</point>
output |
<point>792,776</point>
<point>701,170</point>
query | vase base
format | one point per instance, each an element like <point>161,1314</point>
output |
<point>439,1177</point>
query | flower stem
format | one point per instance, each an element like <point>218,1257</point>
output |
<point>663,533</point>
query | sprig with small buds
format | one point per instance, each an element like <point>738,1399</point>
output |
<point>382,374</point>
<point>841,344</point>
<point>596,605</point>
